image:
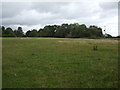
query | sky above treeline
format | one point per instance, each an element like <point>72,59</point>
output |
<point>36,15</point>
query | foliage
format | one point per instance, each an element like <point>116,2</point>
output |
<point>32,33</point>
<point>108,36</point>
<point>65,30</point>
<point>19,32</point>
<point>47,31</point>
<point>8,32</point>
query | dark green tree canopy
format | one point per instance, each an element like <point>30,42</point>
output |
<point>9,32</point>
<point>75,30</point>
<point>32,33</point>
<point>19,32</point>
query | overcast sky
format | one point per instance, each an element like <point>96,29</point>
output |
<point>35,15</point>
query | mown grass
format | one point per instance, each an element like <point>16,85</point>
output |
<point>59,63</point>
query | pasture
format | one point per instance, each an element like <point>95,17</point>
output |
<point>59,63</point>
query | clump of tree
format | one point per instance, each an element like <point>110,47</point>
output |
<point>7,32</point>
<point>118,36</point>
<point>108,36</point>
<point>19,32</point>
<point>47,31</point>
<point>61,31</point>
<point>32,33</point>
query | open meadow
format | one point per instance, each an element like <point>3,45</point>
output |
<point>59,63</point>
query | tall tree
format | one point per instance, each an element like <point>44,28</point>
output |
<point>32,33</point>
<point>19,32</point>
<point>28,33</point>
<point>9,32</point>
<point>47,31</point>
<point>65,30</point>
<point>62,31</point>
<point>95,31</point>
<point>2,30</point>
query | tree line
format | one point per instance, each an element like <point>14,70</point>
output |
<point>61,31</point>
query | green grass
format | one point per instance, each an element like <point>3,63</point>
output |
<point>59,63</point>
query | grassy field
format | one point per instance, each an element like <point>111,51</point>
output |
<point>59,63</point>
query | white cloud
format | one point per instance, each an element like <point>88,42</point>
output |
<point>29,17</point>
<point>38,14</point>
<point>26,27</point>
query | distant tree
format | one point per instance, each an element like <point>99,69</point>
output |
<point>32,33</point>
<point>2,30</point>
<point>95,31</point>
<point>40,32</point>
<point>108,36</point>
<point>118,36</point>
<point>83,32</point>
<point>77,30</point>
<point>47,31</point>
<point>75,33</point>
<point>19,32</point>
<point>65,30</point>
<point>62,31</point>
<point>9,32</point>
<point>28,33</point>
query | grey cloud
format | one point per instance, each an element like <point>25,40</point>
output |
<point>48,6</point>
<point>11,9</point>
<point>29,14</point>
<point>56,11</point>
<point>66,10</point>
<point>0,12</point>
<point>108,10</point>
<point>109,5</point>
